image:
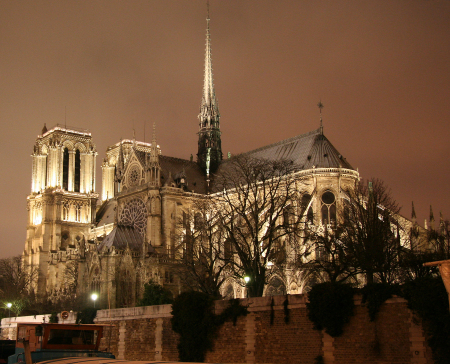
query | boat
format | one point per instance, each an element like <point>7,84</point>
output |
<point>47,341</point>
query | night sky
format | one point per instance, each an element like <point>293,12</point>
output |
<point>381,68</point>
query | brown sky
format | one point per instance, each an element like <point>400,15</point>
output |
<point>381,68</point>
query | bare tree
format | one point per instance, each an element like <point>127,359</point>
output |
<point>71,277</point>
<point>260,212</point>
<point>371,231</point>
<point>201,252</point>
<point>16,280</point>
<point>327,257</point>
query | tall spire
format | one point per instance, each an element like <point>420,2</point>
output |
<point>431,218</point>
<point>413,213</point>
<point>209,127</point>
<point>154,150</point>
<point>120,164</point>
<point>320,106</point>
<point>153,175</point>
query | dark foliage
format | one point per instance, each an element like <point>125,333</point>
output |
<point>318,359</point>
<point>233,311</point>
<point>286,310</point>
<point>155,294</point>
<point>330,306</point>
<point>428,298</point>
<point>53,319</point>
<point>86,316</point>
<point>194,320</point>
<point>375,295</point>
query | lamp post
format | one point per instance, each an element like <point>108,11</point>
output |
<point>94,297</point>
<point>9,304</point>
<point>246,279</point>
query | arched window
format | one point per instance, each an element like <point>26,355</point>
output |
<point>275,287</point>
<point>66,209</point>
<point>94,285</point>
<point>78,213</point>
<point>77,171</point>
<point>328,208</point>
<point>66,169</point>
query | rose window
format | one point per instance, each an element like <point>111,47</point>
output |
<point>134,214</point>
<point>134,176</point>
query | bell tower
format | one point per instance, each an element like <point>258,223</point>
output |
<point>209,153</point>
<point>62,203</point>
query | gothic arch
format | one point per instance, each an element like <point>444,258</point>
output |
<point>81,147</point>
<point>276,287</point>
<point>95,278</point>
<point>68,144</point>
<point>228,290</point>
<point>126,282</point>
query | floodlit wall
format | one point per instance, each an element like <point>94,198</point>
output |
<point>144,333</point>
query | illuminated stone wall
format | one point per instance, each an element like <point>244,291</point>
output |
<point>144,333</point>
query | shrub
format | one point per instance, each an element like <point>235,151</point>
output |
<point>428,298</point>
<point>86,316</point>
<point>375,294</point>
<point>330,306</point>
<point>194,320</point>
<point>155,294</point>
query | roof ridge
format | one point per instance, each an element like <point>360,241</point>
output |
<point>177,159</point>
<point>281,142</point>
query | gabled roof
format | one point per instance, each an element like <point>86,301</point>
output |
<point>305,150</point>
<point>105,215</point>
<point>121,237</point>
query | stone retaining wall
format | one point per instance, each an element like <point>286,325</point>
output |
<point>145,333</point>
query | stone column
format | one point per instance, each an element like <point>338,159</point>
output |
<point>417,342</point>
<point>250,339</point>
<point>71,170</point>
<point>159,339</point>
<point>328,348</point>
<point>121,344</point>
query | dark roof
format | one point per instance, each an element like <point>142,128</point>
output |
<point>140,155</point>
<point>306,150</point>
<point>105,214</point>
<point>175,167</point>
<point>122,236</point>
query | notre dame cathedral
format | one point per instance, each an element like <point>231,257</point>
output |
<point>115,241</point>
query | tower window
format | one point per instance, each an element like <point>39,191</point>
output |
<point>77,171</point>
<point>66,169</point>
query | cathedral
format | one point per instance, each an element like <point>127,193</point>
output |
<point>114,241</point>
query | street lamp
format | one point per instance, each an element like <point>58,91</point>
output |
<point>94,297</point>
<point>9,305</point>
<point>246,279</point>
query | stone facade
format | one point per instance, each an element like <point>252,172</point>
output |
<point>112,245</point>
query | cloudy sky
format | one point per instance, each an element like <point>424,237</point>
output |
<point>380,67</point>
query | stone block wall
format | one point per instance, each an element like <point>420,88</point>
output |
<point>145,333</point>
<point>264,336</point>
